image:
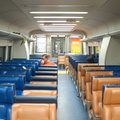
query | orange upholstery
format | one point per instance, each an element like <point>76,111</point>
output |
<point>79,77</point>
<point>97,84</point>
<point>33,111</point>
<point>111,112</point>
<point>111,96</point>
<point>111,104</point>
<point>45,75</point>
<point>88,89</point>
<point>83,83</point>
<point>83,72</point>
<point>40,82</point>
<point>83,69</point>
<point>40,92</point>
<point>61,59</point>
<point>88,75</point>
<point>83,64</point>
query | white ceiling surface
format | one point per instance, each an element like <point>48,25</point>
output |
<point>103,15</point>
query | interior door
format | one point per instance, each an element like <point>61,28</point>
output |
<point>57,45</point>
<point>2,54</point>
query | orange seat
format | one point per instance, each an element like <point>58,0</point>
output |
<point>41,82</point>
<point>40,92</point>
<point>111,104</point>
<point>97,84</point>
<point>33,111</point>
<point>88,78</point>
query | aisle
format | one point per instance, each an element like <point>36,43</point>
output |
<point>70,107</point>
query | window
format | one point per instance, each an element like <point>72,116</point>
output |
<point>41,45</point>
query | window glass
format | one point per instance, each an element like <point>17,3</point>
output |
<point>41,45</point>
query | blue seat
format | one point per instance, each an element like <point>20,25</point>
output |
<point>18,81</point>
<point>19,67</point>
<point>17,72</point>
<point>35,56</point>
<point>6,101</point>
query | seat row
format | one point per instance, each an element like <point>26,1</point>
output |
<point>91,78</point>
<point>30,100</point>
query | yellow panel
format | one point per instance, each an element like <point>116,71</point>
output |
<point>75,45</point>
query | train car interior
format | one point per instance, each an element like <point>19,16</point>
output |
<point>59,60</point>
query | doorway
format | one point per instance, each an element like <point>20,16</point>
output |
<point>2,54</point>
<point>58,46</point>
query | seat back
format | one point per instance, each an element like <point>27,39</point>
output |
<point>6,101</point>
<point>84,68</point>
<point>111,103</point>
<point>18,81</point>
<point>97,84</point>
<point>90,74</point>
<point>34,108</point>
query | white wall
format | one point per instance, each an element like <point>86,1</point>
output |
<point>20,51</point>
<point>103,51</point>
<point>113,56</point>
<point>109,54</point>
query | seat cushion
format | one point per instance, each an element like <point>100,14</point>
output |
<point>111,112</point>
<point>33,111</point>
<point>40,92</point>
<point>39,82</point>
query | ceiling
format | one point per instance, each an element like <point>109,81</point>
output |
<point>103,16</point>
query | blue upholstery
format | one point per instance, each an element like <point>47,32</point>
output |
<point>50,66</point>
<point>40,87</point>
<point>35,56</point>
<point>18,81</point>
<point>6,101</point>
<point>35,99</point>
<point>19,67</point>
<point>47,69</point>
<point>44,78</point>
<point>17,72</point>
<point>45,73</point>
<point>21,64</point>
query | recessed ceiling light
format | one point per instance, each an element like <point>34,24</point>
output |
<point>59,17</point>
<point>50,21</point>
<point>54,12</point>
<point>77,21</point>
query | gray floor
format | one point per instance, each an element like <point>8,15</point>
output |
<point>70,107</point>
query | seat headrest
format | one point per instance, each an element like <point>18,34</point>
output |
<point>36,99</point>
<point>10,84</point>
<point>97,83</point>
<point>7,94</point>
<point>40,87</point>
<point>18,81</point>
<point>110,94</point>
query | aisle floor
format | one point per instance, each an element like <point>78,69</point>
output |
<point>70,107</point>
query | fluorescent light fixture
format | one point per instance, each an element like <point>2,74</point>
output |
<point>64,24</point>
<point>50,21</point>
<point>58,30</point>
<point>77,21</point>
<point>59,17</point>
<point>59,24</point>
<point>41,24</point>
<point>54,12</point>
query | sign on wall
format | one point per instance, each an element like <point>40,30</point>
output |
<point>75,45</point>
<point>41,45</point>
